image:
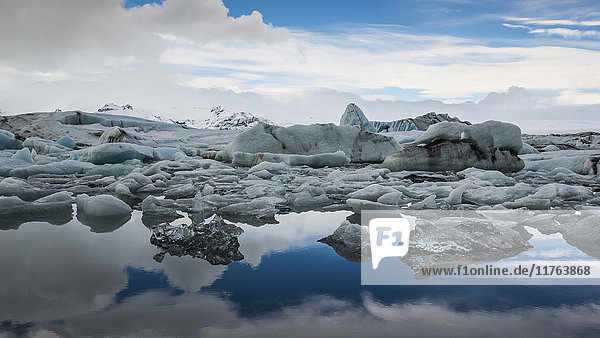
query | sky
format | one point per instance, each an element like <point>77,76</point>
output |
<point>303,61</point>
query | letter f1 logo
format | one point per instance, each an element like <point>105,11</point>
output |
<point>389,237</point>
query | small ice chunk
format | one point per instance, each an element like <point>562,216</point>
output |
<point>528,149</point>
<point>371,192</point>
<point>550,147</point>
<point>496,195</point>
<point>455,196</point>
<point>156,211</point>
<point>139,178</point>
<point>392,198</point>
<point>42,146</point>
<point>273,168</point>
<point>66,141</point>
<point>261,207</point>
<point>113,153</point>
<point>494,176</point>
<point>16,187</point>
<point>308,199</point>
<point>566,192</point>
<point>358,205</point>
<point>427,203</point>
<point>23,155</point>
<point>115,135</point>
<point>122,190</point>
<point>102,205</point>
<point>529,202</point>
<point>265,175</point>
<point>182,191</point>
<point>8,141</point>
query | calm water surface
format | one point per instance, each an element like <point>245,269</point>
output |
<point>68,280</point>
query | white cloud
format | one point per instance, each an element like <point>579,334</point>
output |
<point>565,32</point>
<point>542,22</point>
<point>376,57</point>
<point>573,97</point>
<point>56,34</point>
<point>59,54</point>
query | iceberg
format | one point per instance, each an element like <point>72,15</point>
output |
<point>354,116</point>
<point>312,139</point>
<point>451,146</point>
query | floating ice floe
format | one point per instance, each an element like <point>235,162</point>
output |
<point>455,146</point>
<point>55,208</point>
<point>15,187</point>
<point>311,139</point>
<point>102,206</point>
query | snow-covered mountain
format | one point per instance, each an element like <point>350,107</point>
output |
<point>217,118</point>
<point>221,119</point>
<point>111,106</point>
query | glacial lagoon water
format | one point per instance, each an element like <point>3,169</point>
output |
<point>75,280</point>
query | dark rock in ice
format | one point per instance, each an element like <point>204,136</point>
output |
<point>215,242</point>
